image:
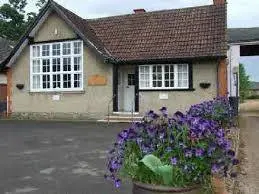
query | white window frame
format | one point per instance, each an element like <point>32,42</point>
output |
<point>176,84</point>
<point>61,72</point>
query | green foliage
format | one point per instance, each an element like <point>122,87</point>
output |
<point>253,97</point>
<point>156,166</point>
<point>244,83</point>
<point>14,20</point>
<point>152,162</point>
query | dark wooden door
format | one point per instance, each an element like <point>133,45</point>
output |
<point>3,99</point>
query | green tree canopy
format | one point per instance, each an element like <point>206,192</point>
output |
<point>14,20</point>
<point>244,83</point>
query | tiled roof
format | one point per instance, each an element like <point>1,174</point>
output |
<point>83,27</point>
<point>194,32</point>
<point>5,48</point>
<point>237,35</point>
<point>169,34</point>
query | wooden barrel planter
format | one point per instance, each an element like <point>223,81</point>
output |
<point>140,188</point>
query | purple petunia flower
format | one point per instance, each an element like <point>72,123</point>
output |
<point>124,134</point>
<point>220,141</point>
<point>235,162</point>
<point>174,161</point>
<point>211,150</point>
<point>120,140</point>
<point>231,153</point>
<point>151,114</point>
<point>151,131</point>
<point>179,114</point>
<point>162,135</point>
<point>163,110</point>
<point>199,152</point>
<point>117,183</point>
<point>215,168</point>
<point>188,153</point>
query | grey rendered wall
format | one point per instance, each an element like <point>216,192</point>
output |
<point>91,103</point>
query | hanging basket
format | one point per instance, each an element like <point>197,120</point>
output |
<point>205,85</point>
<point>20,86</point>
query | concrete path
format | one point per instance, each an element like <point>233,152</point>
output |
<point>56,157</point>
<point>248,181</point>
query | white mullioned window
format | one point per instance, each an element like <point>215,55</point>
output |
<point>165,76</point>
<point>56,66</point>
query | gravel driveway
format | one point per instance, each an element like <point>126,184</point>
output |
<point>55,157</point>
<point>248,180</point>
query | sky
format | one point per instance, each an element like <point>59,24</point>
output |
<point>241,13</point>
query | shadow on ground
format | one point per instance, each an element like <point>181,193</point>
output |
<point>56,157</point>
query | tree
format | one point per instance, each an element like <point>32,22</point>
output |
<point>244,83</point>
<point>14,20</point>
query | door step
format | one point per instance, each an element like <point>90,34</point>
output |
<point>121,119</point>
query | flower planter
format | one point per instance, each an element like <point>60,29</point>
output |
<point>140,188</point>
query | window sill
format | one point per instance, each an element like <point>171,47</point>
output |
<point>164,90</point>
<point>58,92</point>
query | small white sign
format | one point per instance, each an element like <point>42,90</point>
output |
<point>163,96</point>
<point>56,97</point>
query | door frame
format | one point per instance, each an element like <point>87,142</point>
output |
<point>115,88</point>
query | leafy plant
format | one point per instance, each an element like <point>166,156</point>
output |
<point>180,150</point>
<point>156,166</point>
<point>14,20</point>
<point>245,84</point>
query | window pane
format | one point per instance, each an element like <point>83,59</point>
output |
<point>77,80</point>
<point>183,76</point>
<point>36,66</point>
<point>36,51</point>
<point>56,81</point>
<point>67,80</point>
<point>45,50</point>
<point>36,82</point>
<point>167,84</point>
<point>144,69</point>
<point>157,76</point>
<point>46,65</point>
<point>77,63</point>
<point>46,81</point>
<point>77,48</point>
<point>56,49</point>
<point>131,79</point>
<point>169,76</point>
<point>66,48</point>
<point>144,77</point>
<point>66,64</point>
<point>56,64</point>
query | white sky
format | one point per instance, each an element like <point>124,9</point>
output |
<point>241,13</point>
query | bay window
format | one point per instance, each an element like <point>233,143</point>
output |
<point>56,66</point>
<point>166,76</point>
